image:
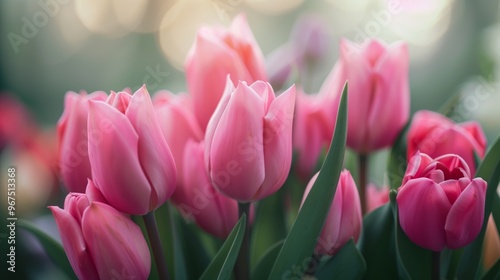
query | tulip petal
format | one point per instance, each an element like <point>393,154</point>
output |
<point>465,219</point>
<point>74,244</point>
<point>476,132</point>
<point>277,139</point>
<point>154,153</point>
<point>115,242</point>
<point>236,152</point>
<point>423,207</point>
<point>113,152</point>
<point>351,220</point>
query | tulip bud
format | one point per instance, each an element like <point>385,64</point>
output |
<point>101,242</point>
<point>439,204</point>
<point>344,219</point>
<point>197,199</point>
<point>378,79</point>
<point>435,135</point>
<point>312,132</point>
<point>248,143</point>
<point>130,159</point>
<point>179,125</point>
<point>72,134</point>
<point>376,197</point>
<point>216,53</point>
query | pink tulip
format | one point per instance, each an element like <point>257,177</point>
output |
<point>178,124</point>
<point>376,197</point>
<point>100,242</point>
<point>379,94</point>
<point>216,53</point>
<point>72,134</point>
<point>130,159</point>
<point>248,143</point>
<point>435,135</point>
<point>344,219</point>
<point>312,132</point>
<point>440,204</point>
<point>197,199</point>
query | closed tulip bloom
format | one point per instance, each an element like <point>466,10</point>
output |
<point>440,204</point>
<point>216,53</point>
<point>379,93</point>
<point>312,131</point>
<point>101,242</point>
<point>344,217</point>
<point>248,149</point>
<point>178,124</point>
<point>376,197</point>
<point>197,199</point>
<point>130,159</point>
<point>72,134</point>
<point>435,135</point>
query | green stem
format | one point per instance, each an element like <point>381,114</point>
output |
<point>435,265</point>
<point>363,174</point>
<point>154,239</point>
<point>242,269</point>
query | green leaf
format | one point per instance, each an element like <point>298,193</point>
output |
<point>378,236</point>
<point>269,225</point>
<point>348,263</point>
<point>494,272</point>
<point>301,240</point>
<point>397,163</point>
<point>222,265</point>
<point>414,261</point>
<point>489,170</point>
<point>265,264</point>
<point>495,210</point>
<point>51,246</point>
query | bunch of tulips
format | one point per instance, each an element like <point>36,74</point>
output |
<point>256,168</point>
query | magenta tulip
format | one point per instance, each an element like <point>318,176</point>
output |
<point>130,159</point>
<point>440,204</point>
<point>72,134</point>
<point>435,135</point>
<point>216,53</point>
<point>379,94</point>
<point>248,149</point>
<point>178,124</point>
<point>101,242</point>
<point>344,219</point>
<point>197,199</point>
<point>312,131</point>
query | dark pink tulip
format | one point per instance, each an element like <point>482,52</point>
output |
<point>216,53</point>
<point>72,134</point>
<point>197,199</point>
<point>344,219</point>
<point>379,93</point>
<point>131,161</point>
<point>376,197</point>
<point>312,131</point>
<point>440,204</point>
<point>178,124</point>
<point>101,242</point>
<point>248,143</point>
<point>435,135</point>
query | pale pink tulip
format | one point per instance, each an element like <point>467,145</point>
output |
<point>440,204</point>
<point>130,159</point>
<point>376,197</point>
<point>379,94</point>
<point>248,149</point>
<point>72,134</point>
<point>101,242</point>
<point>435,135</point>
<point>216,53</point>
<point>344,219</point>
